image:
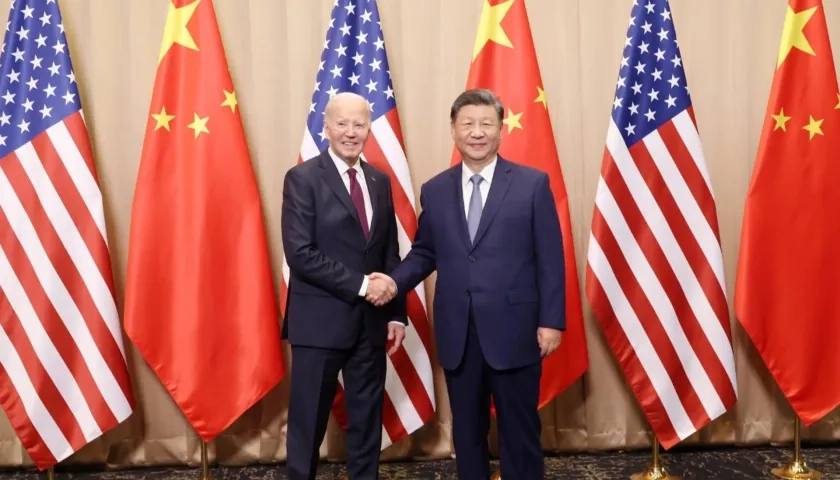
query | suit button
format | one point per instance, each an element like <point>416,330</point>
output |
<point>467,292</point>
<point>472,259</point>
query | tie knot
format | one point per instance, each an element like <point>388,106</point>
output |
<point>476,179</point>
<point>351,172</point>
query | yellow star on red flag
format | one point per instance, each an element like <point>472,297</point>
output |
<point>175,31</point>
<point>490,26</point>
<point>793,35</point>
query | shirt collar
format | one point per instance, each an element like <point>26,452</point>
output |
<point>341,165</point>
<point>486,173</point>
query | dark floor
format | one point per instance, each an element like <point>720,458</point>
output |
<point>734,464</point>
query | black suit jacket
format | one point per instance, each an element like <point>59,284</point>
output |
<point>328,256</point>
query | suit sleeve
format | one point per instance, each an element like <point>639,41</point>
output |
<point>297,225</point>
<point>551,267</point>
<point>392,259</point>
<point>420,261</point>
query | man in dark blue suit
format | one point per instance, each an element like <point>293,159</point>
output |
<point>338,225</point>
<point>490,229</point>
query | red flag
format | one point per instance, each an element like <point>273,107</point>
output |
<point>200,303</point>
<point>654,274</point>
<point>505,61</point>
<point>787,283</point>
<point>63,374</point>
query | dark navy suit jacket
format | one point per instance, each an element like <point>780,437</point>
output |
<point>328,256</point>
<point>512,275</point>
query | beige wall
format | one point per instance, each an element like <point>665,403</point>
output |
<point>273,48</point>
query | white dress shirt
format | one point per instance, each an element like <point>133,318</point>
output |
<point>483,187</point>
<point>342,167</point>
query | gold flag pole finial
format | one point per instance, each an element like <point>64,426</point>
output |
<point>655,471</point>
<point>796,468</point>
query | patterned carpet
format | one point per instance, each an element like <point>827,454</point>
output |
<point>735,464</point>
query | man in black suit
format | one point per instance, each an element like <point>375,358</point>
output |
<point>338,226</point>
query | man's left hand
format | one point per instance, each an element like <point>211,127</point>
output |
<point>549,340</point>
<point>396,334</point>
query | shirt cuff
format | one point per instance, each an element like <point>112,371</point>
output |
<point>397,322</point>
<point>363,290</point>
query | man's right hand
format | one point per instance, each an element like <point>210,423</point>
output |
<point>381,289</point>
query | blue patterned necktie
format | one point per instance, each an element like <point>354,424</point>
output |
<point>474,212</point>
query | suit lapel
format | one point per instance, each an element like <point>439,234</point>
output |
<point>333,179</point>
<point>374,191</point>
<point>460,215</point>
<point>498,189</point>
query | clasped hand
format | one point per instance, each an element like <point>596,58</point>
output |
<point>381,289</point>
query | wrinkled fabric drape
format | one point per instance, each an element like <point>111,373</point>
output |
<point>273,49</point>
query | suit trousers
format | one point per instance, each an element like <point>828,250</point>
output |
<point>515,394</point>
<point>313,386</point>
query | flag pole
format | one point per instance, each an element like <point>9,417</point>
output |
<point>654,471</point>
<point>796,468</point>
<point>51,473</point>
<point>497,475</point>
<point>205,471</point>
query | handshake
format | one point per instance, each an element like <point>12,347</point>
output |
<point>381,289</point>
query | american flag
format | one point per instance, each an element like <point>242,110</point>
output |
<point>354,60</point>
<point>655,270</point>
<point>64,379</point>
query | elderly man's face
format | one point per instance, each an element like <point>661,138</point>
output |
<point>347,125</point>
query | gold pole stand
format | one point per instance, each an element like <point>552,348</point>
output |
<point>51,473</point>
<point>497,475</point>
<point>205,471</point>
<point>655,471</point>
<point>796,468</point>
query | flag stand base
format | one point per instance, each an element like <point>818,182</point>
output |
<point>796,468</point>
<point>51,474</point>
<point>205,470</point>
<point>655,471</point>
<point>497,475</point>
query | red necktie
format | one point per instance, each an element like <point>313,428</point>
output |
<point>358,200</point>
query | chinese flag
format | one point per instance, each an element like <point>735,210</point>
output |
<point>200,304</point>
<point>504,60</point>
<point>788,281</point>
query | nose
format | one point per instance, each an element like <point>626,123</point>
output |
<point>476,132</point>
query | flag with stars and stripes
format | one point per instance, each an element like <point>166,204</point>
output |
<point>63,374</point>
<point>655,271</point>
<point>354,59</point>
